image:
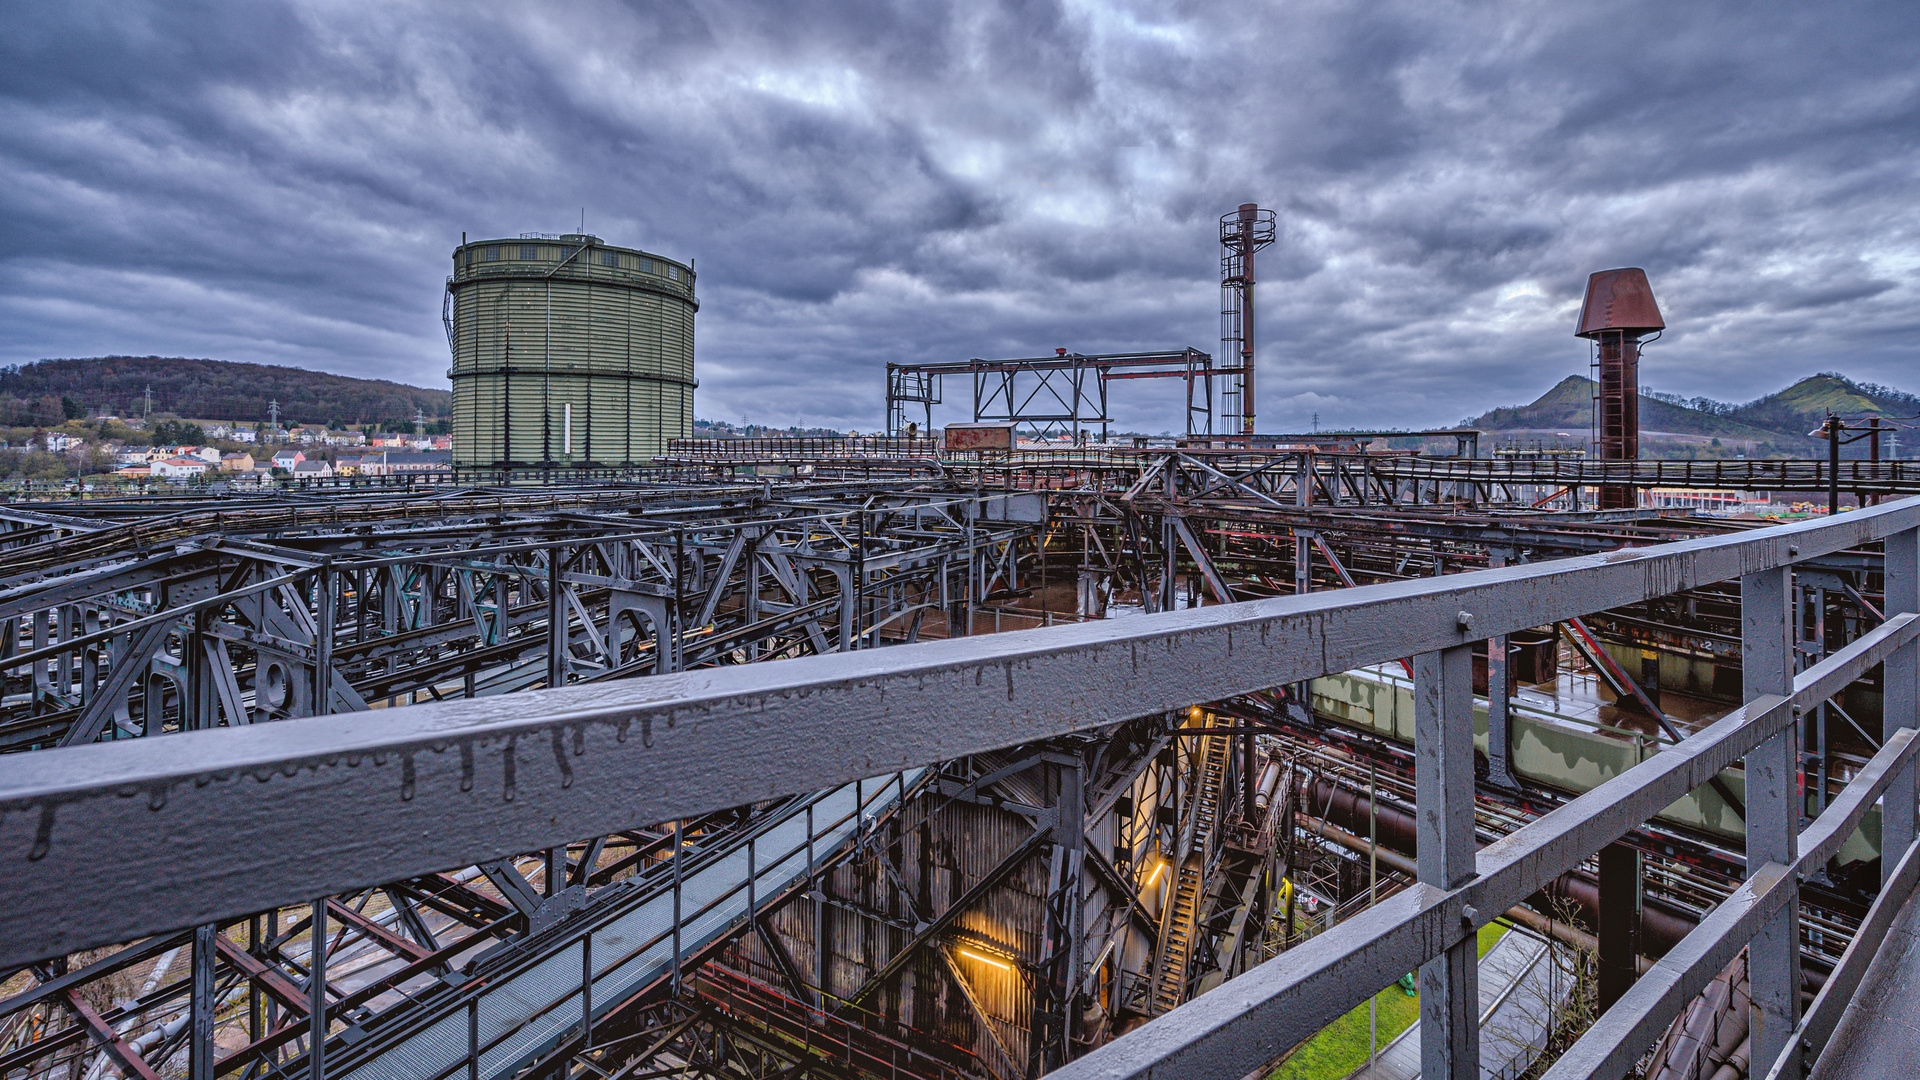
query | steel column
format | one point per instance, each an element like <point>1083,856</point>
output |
<point>1499,704</point>
<point>1620,892</point>
<point>317,994</point>
<point>200,1052</point>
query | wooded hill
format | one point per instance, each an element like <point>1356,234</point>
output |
<point>208,390</point>
<point>1775,424</point>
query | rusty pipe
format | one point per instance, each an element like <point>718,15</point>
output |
<point>1564,932</point>
<point>1661,925</point>
<point>1269,781</point>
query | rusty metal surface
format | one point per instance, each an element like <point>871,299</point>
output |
<point>1619,300</point>
<point>979,436</point>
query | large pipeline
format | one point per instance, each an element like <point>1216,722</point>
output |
<point>1712,1031</point>
<point>1661,925</point>
<point>1564,932</point>
<point>1269,781</point>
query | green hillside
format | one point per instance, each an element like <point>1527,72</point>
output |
<point>208,390</point>
<point>1804,406</point>
<point>1569,407</point>
<point>1775,424</point>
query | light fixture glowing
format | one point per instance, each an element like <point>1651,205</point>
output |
<point>985,959</point>
<point>1193,713</point>
<point>1156,874</point>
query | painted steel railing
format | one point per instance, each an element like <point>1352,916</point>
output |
<point>1742,474</point>
<point>105,843</point>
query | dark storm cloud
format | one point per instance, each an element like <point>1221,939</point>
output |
<point>863,182</point>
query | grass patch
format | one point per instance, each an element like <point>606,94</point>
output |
<point>1489,934</point>
<point>1341,1046</point>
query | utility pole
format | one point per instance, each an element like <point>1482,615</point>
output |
<point>149,405</point>
<point>273,413</point>
<point>1832,428</point>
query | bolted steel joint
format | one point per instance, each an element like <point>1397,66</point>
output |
<point>1463,620</point>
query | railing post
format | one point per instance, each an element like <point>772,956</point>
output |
<point>1443,778</point>
<point>1774,805</point>
<point>1901,708</point>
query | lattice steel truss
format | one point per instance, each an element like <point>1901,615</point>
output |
<point>824,933</point>
<point>1048,396</point>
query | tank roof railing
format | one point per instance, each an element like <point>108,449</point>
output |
<point>108,842</point>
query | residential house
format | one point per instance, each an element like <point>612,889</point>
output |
<point>243,435</point>
<point>177,468</point>
<point>397,462</point>
<point>134,472</point>
<point>287,459</point>
<point>318,469</point>
<point>236,463</point>
<point>57,443</point>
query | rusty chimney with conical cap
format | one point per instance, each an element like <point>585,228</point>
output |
<point>1618,312</point>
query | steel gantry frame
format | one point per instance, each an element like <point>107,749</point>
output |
<point>1050,396</point>
<point>261,816</point>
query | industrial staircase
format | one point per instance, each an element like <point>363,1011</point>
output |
<point>1180,923</point>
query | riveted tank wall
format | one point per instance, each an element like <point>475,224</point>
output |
<point>568,353</point>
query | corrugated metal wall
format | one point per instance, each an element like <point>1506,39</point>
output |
<point>936,850</point>
<point>865,920</point>
<point>612,345</point>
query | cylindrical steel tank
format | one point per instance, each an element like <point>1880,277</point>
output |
<point>567,353</point>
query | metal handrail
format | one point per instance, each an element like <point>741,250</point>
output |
<point>112,841</point>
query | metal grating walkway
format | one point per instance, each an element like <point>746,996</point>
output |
<point>1519,990</point>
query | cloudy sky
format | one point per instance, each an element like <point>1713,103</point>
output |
<point>862,182</point>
